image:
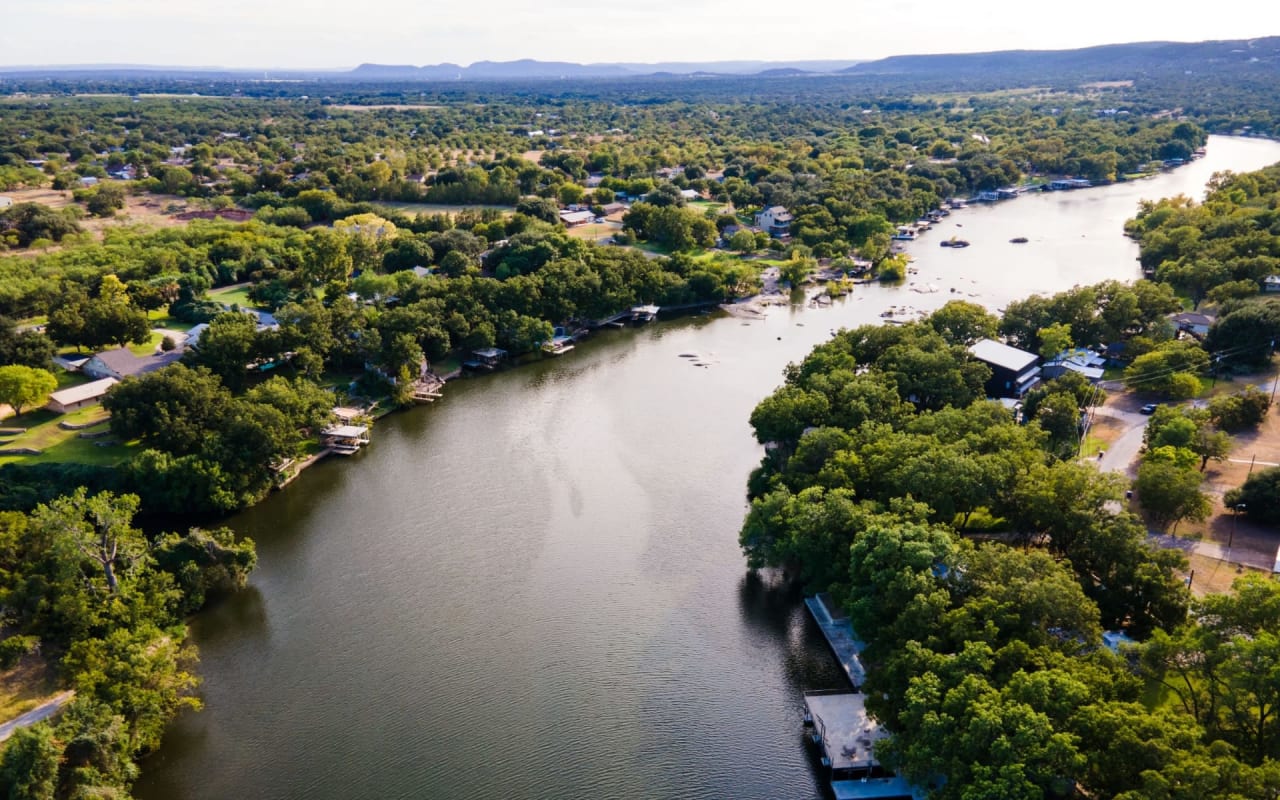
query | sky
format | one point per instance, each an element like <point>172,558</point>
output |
<point>332,34</point>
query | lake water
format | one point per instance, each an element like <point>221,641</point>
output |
<point>533,589</point>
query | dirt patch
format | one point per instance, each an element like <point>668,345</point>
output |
<point>1107,429</point>
<point>146,209</point>
<point>1212,576</point>
<point>533,155</point>
<point>26,686</point>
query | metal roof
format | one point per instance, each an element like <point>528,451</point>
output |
<point>1002,355</point>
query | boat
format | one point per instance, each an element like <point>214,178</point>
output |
<point>558,346</point>
<point>954,242</point>
<point>1019,240</point>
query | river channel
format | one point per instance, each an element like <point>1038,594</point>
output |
<point>533,588</point>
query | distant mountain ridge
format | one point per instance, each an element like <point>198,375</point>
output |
<point>1103,62</point>
<point>530,68</point>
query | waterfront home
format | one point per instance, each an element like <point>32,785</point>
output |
<point>74,398</point>
<point>1271,283</point>
<point>1013,372</point>
<point>775,221</point>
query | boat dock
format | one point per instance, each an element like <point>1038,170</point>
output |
<point>839,632</point>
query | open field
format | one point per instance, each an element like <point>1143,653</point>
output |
<point>232,295</point>
<point>595,231</point>
<point>148,209</point>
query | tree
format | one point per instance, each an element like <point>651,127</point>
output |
<point>172,409</point>
<point>1054,339</point>
<point>22,386</point>
<point>963,323</point>
<point>1240,411</point>
<point>742,241</point>
<point>106,200</point>
<point>1170,493</point>
<point>29,764</point>
<point>227,347</point>
<point>1259,496</point>
<point>100,527</point>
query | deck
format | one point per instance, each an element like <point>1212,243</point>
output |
<point>844,643</point>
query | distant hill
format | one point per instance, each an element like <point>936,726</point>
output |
<point>1116,61</point>
<point>529,68</point>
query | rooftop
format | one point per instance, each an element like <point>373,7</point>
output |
<point>848,734</point>
<point>1002,355</point>
<point>85,391</point>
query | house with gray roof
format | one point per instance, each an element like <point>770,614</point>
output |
<point>122,363</point>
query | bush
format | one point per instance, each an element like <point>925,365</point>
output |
<point>1240,411</point>
<point>167,344</point>
<point>14,648</point>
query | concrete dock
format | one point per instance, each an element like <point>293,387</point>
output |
<point>839,632</point>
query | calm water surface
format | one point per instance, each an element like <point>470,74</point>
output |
<point>533,589</point>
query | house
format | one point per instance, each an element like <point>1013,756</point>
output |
<point>1193,323</point>
<point>122,363</point>
<point>88,180</point>
<point>615,208</point>
<point>5,202</point>
<point>572,219</point>
<point>1271,283</point>
<point>689,194</point>
<point>1081,361</point>
<point>74,398</point>
<point>1013,372</point>
<point>775,221</point>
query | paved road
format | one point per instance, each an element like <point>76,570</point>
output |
<point>35,715</point>
<point>1122,454</point>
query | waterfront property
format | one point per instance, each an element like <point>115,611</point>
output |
<point>345,440</point>
<point>1013,372</point>
<point>74,398</point>
<point>1082,361</point>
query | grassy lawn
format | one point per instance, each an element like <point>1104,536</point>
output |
<point>60,446</point>
<point>68,379</point>
<point>161,319</point>
<point>1092,446</point>
<point>230,296</point>
<point>29,684</point>
<point>149,346</point>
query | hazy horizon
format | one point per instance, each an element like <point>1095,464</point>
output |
<point>324,35</point>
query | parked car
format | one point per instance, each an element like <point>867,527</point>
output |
<point>1149,408</point>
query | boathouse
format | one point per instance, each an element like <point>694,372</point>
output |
<point>1013,372</point>
<point>487,358</point>
<point>845,737</point>
<point>345,440</point>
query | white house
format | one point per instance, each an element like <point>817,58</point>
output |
<point>77,397</point>
<point>775,221</point>
<point>1271,283</point>
<point>5,202</point>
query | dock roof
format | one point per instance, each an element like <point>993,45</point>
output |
<point>849,735</point>
<point>1002,355</point>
